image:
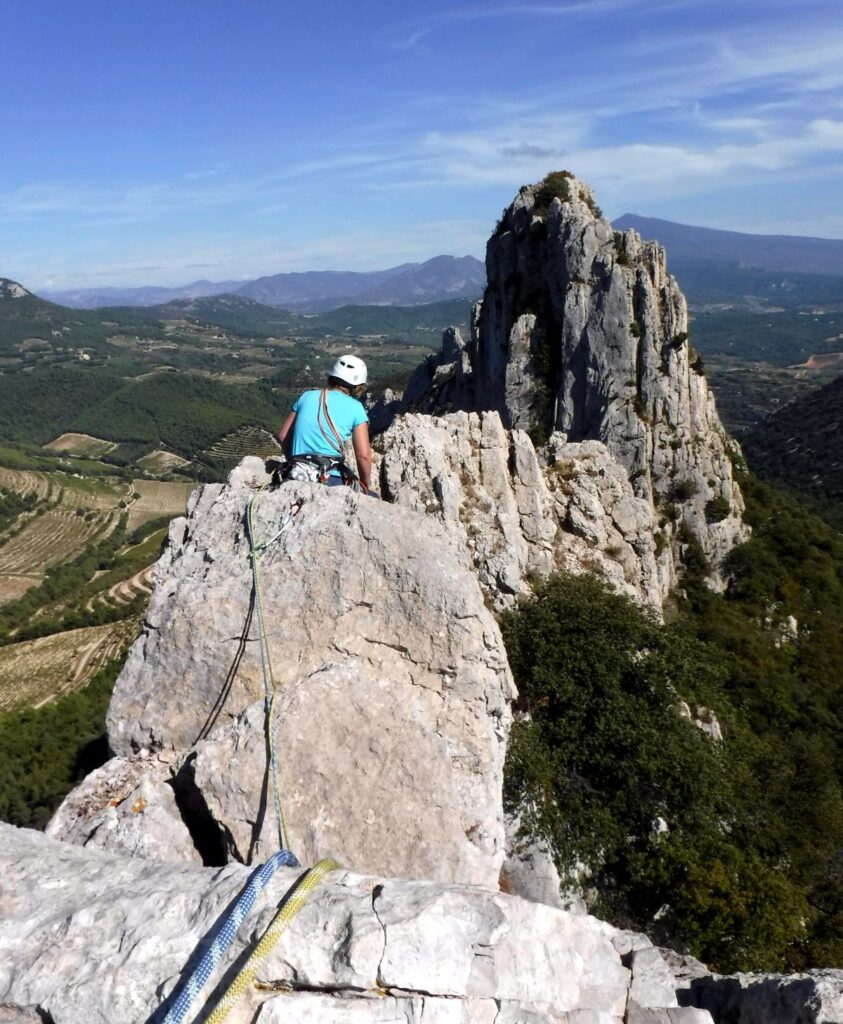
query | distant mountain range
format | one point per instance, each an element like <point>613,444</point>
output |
<point>436,280</point>
<point>714,268</point>
<point>149,295</point>
<point>684,242</point>
<point>755,271</point>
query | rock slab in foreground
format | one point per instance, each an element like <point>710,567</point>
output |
<point>393,692</point>
<point>86,936</point>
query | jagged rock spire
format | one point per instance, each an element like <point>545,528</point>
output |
<point>582,330</point>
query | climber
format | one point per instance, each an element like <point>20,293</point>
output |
<point>320,423</point>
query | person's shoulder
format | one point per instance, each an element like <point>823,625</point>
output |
<point>305,398</point>
<point>360,414</point>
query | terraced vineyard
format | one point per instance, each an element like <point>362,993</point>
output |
<point>245,441</point>
<point>27,481</point>
<point>52,537</point>
<point>160,461</point>
<point>88,618</point>
<point>70,491</point>
<point>157,498</point>
<point>125,591</point>
<point>82,445</point>
<point>36,671</point>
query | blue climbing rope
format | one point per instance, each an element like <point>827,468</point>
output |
<point>184,995</point>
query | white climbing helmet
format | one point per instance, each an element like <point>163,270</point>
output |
<point>350,369</point>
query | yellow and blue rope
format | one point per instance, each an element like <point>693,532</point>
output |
<point>290,906</point>
<point>182,997</point>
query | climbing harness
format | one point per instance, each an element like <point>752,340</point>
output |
<point>294,899</point>
<point>314,468</point>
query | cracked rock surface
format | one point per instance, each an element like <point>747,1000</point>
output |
<point>119,932</point>
<point>393,693</point>
<point>519,512</point>
<point>582,331</point>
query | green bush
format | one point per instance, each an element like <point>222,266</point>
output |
<point>555,186</point>
<point>45,751</point>
<point>616,780</point>
<point>717,509</point>
<point>684,489</point>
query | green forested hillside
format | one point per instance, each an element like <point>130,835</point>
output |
<point>781,338</point>
<point>712,281</point>
<point>45,751</point>
<point>30,319</point>
<point>802,448</point>
<point>247,317</point>
<point>36,406</point>
<point>183,412</point>
<point>731,849</point>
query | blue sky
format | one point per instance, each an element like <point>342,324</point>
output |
<point>160,142</point>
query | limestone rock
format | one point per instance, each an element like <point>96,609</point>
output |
<point>652,980</point>
<point>520,512</point>
<point>582,330</point>
<point>393,688</point>
<point>815,997</point>
<point>120,931</point>
<point>529,870</point>
<point>127,806</point>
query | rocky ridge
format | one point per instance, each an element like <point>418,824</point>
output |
<point>394,692</point>
<point>394,688</point>
<point>520,512</point>
<point>582,332</point>
<point>11,289</point>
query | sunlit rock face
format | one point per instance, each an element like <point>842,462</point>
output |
<point>582,331</point>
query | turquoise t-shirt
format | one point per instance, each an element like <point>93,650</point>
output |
<point>346,413</point>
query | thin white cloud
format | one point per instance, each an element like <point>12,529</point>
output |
<point>422,28</point>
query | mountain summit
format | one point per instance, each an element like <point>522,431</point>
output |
<point>582,335</point>
<point>12,290</point>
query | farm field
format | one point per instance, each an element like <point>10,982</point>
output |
<point>12,587</point>
<point>245,441</point>
<point>71,491</point>
<point>125,590</point>
<point>35,671</point>
<point>29,481</point>
<point>81,444</point>
<point>52,537</point>
<point>157,498</point>
<point>160,461</point>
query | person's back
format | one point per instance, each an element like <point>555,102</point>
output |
<point>321,421</point>
<point>309,431</point>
